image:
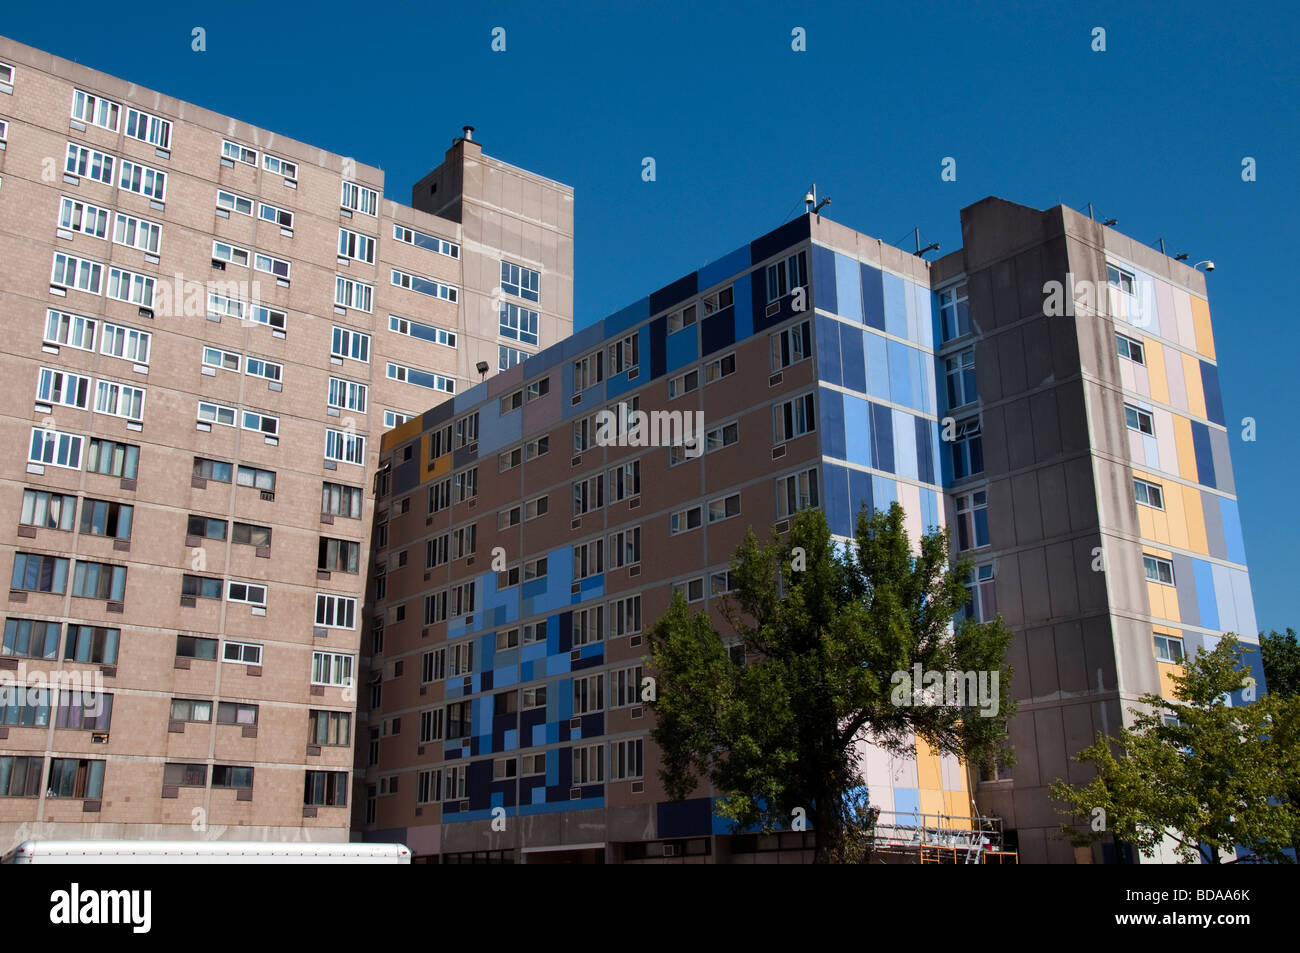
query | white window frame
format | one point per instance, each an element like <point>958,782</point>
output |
<point>68,329</point>
<point>84,217</point>
<point>349,293</point>
<point>355,344</point>
<point>234,202</point>
<point>238,153</point>
<point>359,198</point>
<point>347,395</point>
<point>145,236</point>
<point>338,610</point>
<point>118,400</point>
<point>349,447</point>
<point>96,110</point>
<point>282,167</point>
<point>213,413</point>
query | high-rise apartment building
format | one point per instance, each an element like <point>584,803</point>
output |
<point>1073,442</point>
<point>207,327</point>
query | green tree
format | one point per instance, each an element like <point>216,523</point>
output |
<point>1209,774</point>
<point>1280,653</point>
<point>831,638</point>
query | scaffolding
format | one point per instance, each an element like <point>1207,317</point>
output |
<point>941,838</point>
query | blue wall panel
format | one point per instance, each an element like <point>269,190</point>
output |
<point>877,351</point>
<point>823,279</point>
<point>836,504</point>
<point>857,431</point>
<point>681,348</point>
<point>828,350</point>
<point>1204,454</point>
<point>895,305</point>
<point>832,422</point>
<point>873,297</point>
<point>905,462</point>
<point>852,358</point>
<point>848,288</point>
<point>882,438</point>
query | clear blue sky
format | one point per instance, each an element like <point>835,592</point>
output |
<point>1152,131</point>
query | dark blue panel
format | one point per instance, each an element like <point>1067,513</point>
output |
<point>823,279</point>
<point>828,350</point>
<point>477,785</point>
<point>506,788</point>
<point>566,631</point>
<point>439,415</point>
<point>852,358</point>
<point>835,502</point>
<point>718,331</point>
<point>526,786</point>
<point>924,450</point>
<point>486,681</point>
<point>500,725</point>
<point>832,423</point>
<point>1213,396</point>
<point>1204,455</point>
<point>791,233</point>
<point>593,725</point>
<point>591,661</point>
<point>859,494</point>
<point>407,476</point>
<point>462,457</point>
<point>658,347</point>
<point>527,721</point>
<point>678,291</point>
<point>873,298</point>
<point>882,437</point>
<point>691,818</point>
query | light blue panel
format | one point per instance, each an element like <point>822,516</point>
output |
<point>583,340</point>
<point>848,288</point>
<point>1151,450</point>
<point>592,650</point>
<point>506,675</point>
<point>916,362</point>
<point>939,467</point>
<point>909,301</point>
<point>539,735</point>
<point>904,445</point>
<point>929,509</point>
<point>877,366</point>
<point>564,710</point>
<point>928,384</point>
<point>1224,600</point>
<point>558,665</point>
<point>1232,530</point>
<point>681,348</point>
<point>1205,601</point>
<point>1245,602</point>
<point>593,587</point>
<point>552,733</point>
<point>895,305</point>
<point>907,801</point>
<point>857,431</point>
<point>723,268</point>
<point>480,723</point>
<point>467,400</point>
<point>559,576</point>
<point>620,321</point>
<point>924,317</point>
<point>743,293</point>
<point>530,654</point>
<point>498,798</point>
<point>539,794</point>
<point>884,491</point>
<point>899,375</point>
<point>510,739</point>
<point>496,432</point>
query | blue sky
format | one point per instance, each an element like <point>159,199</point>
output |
<point>1152,131</point>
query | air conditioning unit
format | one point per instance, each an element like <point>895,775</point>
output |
<point>99,737</point>
<point>775,379</point>
<point>671,850</point>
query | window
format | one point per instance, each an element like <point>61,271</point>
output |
<point>112,458</point>
<point>83,217</point>
<point>588,371</point>
<point>137,233</point>
<point>106,518</point>
<point>972,520</point>
<point>254,477</point>
<point>79,273</point>
<point>21,776</point>
<point>338,612</point>
<point>794,418</point>
<point>625,617</point>
<point>508,357</point>
<point>685,520</point>
<point>588,494</point>
<point>692,589</point>
<point>75,777</point>
<point>983,604</point>
<point>128,286</point>
<point>589,764</point>
<point>358,198</point>
<point>353,294</point>
<point>589,694</point>
<point>219,305</point>
<point>435,608</point>
<point>460,660</point>
<point>510,459</point>
<point>1158,570</point>
<point>148,128</point>
<point>261,423</point>
<point>278,166</point>
<point>424,332</point>
<point>142,180</point>
<point>70,330</point>
<point>250,534</point>
<point>236,713</point>
<point>129,344</point>
<point>536,448</point>
<point>954,312</point>
<point>345,447</point>
<point>395,418</point>
<point>410,375</point>
<point>720,437</point>
<point>584,432</point>
<point>625,760</point>
<point>333,728</point>
<point>520,281</point>
<point>191,710</point>
<point>215,357</point>
<point>538,388</point>
<point>720,299</point>
<point>356,246</point>
<point>433,665</point>
<point>424,286</point>
<point>233,202</point>
<point>34,572</point>
<point>188,646</point>
<point>457,776</point>
<point>216,470</point>
<point>683,384</point>
<point>960,371</point>
<point>462,599</point>
<point>90,643</point>
<point>625,548</point>
<point>347,395</point>
<point>682,318</point>
<point>967,448</point>
<point>260,367</point>
<point>350,344</point>
<point>340,500</point>
<point>1129,348</point>
<point>511,517</point>
<point>338,555</point>
<point>119,400</point>
<point>273,266</point>
<point>1119,278</point>
<point>246,592</point>
<point>796,492</point>
<point>98,581</point>
<point>231,776</point>
<point>1139,420</point>
<point>29,638</point>
<point>275,215</point>
<point>63,388</point>
<point>466,484</point>
<point>242,653</point>
<point>30,708</point>
<point>200,587</point>
<point>534,632</point>
<point>719,368</point>
<point>48,510</point>
<point>724,508</point>
<point>326,789</point>
<point>96,110</point>
<point>536,507</point>
<point>624,354</point>
<point>785,276</point>
<point>588,559</point>
<point>1169,648</point>
<point>237,153</point>
<point>57,449</point>
<point>331,668</point>
<point>440,495</point>
<point>535,568</point>
<point>89,163</point>
<point>1148,494</point>
<point>222,251</point>
<point>466,431</point>
<point>412,236</point>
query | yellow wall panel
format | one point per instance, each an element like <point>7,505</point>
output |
<point>927,766</point>
<point>1204,334</point>
<point>1167,669</point>
<point>932,802</point>
<point>1196,537</point>
<point>1186,449</point>
<point>1192,380</point>
<point>402,432</point>
<point>1154,352</point>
